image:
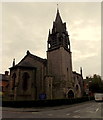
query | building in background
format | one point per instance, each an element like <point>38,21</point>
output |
<point>4,84</point>
<point>93,84</point>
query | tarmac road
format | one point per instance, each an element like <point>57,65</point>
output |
<point>89,109</point>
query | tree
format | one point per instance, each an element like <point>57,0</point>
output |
<point>95,84</point>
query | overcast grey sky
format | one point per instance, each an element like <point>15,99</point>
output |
<point>25,26</point>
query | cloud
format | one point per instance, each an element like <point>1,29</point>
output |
<point>25,27</point>
<point>89,32</point>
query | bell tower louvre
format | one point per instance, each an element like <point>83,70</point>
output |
<point>59,36</point>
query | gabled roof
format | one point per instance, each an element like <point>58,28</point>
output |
<point>28,63</point>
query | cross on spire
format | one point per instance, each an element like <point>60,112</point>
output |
<point>57,8</point>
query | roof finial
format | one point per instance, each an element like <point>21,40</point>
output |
<point>13,62</point>
<point>57,8</point>
<point>28,52</point>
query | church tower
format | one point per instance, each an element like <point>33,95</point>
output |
<point>59,58</point>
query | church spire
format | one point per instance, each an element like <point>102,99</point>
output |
<point>81,71</point>
<point>58,17</point>
<point>57,9</point>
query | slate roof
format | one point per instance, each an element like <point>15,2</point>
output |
<point>30,64</point>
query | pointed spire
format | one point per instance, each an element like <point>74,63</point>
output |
<point>13,62</point>
<point>58,18</point>
<point>81,71</point>
<point>57,8</point>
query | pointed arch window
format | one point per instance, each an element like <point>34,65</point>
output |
<point>25,78</point>
<point>77,87</point>
<point>13,80</point>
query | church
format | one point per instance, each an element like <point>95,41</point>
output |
<point>35,78</point>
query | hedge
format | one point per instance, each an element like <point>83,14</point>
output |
<point>44,103</point>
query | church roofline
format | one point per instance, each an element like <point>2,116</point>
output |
<point>32,56</point>
<point>17,66</point>
<point>74,72</point>
<point>38,58</point>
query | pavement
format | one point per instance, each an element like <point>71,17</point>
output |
<point>38,109</point>
<point>90,109</point>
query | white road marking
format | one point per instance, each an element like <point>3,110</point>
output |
<point>97,109</point>
<point>77,111</point>
<point>34,112</point>
<point>76,116</point>
<point>90,111</point>
<point>50,114</point>
<point>68,114</point>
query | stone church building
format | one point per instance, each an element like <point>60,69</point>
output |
<point>35,78</point>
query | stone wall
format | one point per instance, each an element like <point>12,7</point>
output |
<point>34,80</point>
<point>49,87</point>
<point>78,84</point>
<point>60,66</point>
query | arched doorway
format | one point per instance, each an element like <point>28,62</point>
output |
<point>70,94</point>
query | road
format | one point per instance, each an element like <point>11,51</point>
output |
<point>89,109</point>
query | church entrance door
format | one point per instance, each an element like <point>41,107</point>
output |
<point>70,94</point>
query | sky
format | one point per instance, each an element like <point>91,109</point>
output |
<point>25,26</point>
